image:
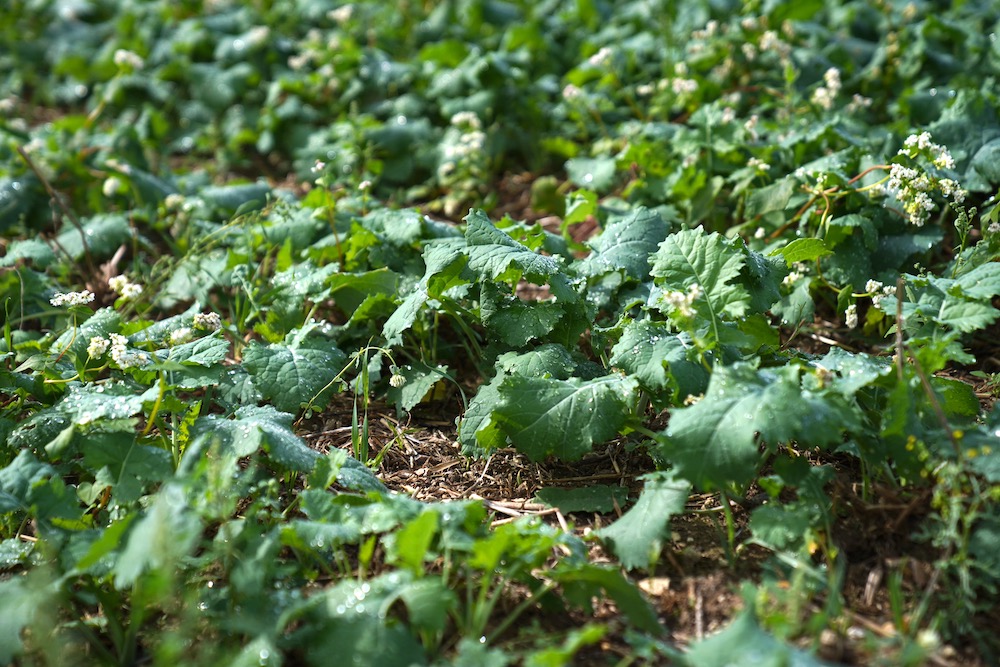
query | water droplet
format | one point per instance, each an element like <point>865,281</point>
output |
<point>482,640</point>
<point>587,178</point>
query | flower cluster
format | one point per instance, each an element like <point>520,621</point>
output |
<point>851,316</point>
<point>181,335</point>
<point>120,354</point>
<point>125,288</point>
<point>464,160</point>
<point>682,301</point>
<point>126,59</point>
<point>72,298</point>
<point>207,321</point>
<point>921,144</point>
<point>758,165</point>
<point>877,291</point>
<point>601,58</point>
<point>913,185</point>
<point>98,346</point>
<point>795,275</point>
<point>825,94</point>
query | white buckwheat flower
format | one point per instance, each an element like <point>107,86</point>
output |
<point>125,58</point>
<point>758,165</point>
<point>207,321</point>
<point>125,287</point>
<point>851,316</point>
<point>98,346</point>
<point>601,58</point>
<point>181,336</point>
<point>72,298</point>
<point>571,92</point>
<point>397,381</point>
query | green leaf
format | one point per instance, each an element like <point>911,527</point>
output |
<point>206,351</point>
<point>496,256</point>
<point>637,537</point>
<point>165,534</point>
<point>744,643</point>
<point>714,443</point>
<point>513,321</point>
<point>295,373</point>
<point>565,418</point>
<point>626,245</point>
<point>28,485</point>
<point>549,360</point>
<point>659,359</point>
<point>35,250</point>
<point>125,465</point>
<point>412,541</point>
<point>252,429</point>
<point>592,173</point>
<point>586,581</point>
<point>428,603</point>
<point>575,640</point>
<point>600,498</point>
<point>20,600</point>
<point>802,250</point>
<point>91,403</point>
<point>692,256</point>
<point>104,234</point>
<point>774,197</point>
<point>420,379</point>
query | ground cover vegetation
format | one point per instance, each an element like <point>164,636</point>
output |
<point>488,332</point>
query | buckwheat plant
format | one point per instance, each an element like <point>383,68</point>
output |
<point>464,161</point>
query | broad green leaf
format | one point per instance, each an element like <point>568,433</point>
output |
<point>125,465</point>
<point>35,250</point>
<point>692,256</point>
<point>853,370</point>
<point>478,432</point>
<point>802,250</point>
<point>420,379</point>
<point>21,598</point>
<point>104,233</point>
<point>96,402</point>
<point>494,255</point>
<point>659,359</point>
<point>742,642</point>
<point>252,429</point>
<point>715,442</point>
<point>412,541</point>
<point>587,581</point>
<point>575,640</point>
<point>206,351</point>
<point>261,652</point>
<point>513,321</point>
<point>637,537</point>
<point>349,290</point>
<point>549,360</point>
<point>442,257</point>
<point>429,602</point>
<point>771,198</point>
<point>600,498</point>
<point>229,200</point>
<point>473,653</point>
<point>166,533</point>
<point>627,244</point>
<point>28,485</point>
<point>296,373</point>
<point>592,173</point>
<point>565,418</point>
